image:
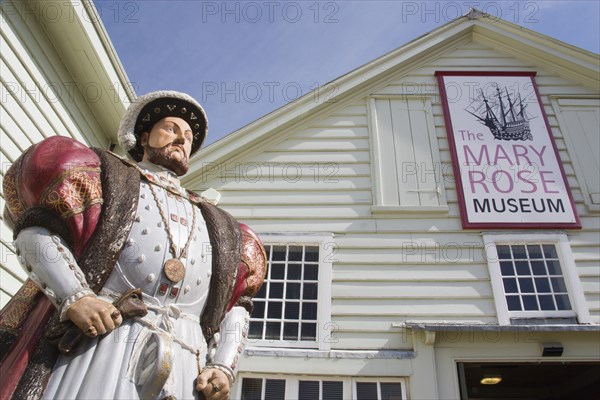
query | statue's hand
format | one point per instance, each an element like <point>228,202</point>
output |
<point>94,316</point>
<point>214,384</point>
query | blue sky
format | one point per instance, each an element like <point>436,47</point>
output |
<point>243,59</point>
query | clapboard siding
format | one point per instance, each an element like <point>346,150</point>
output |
<point>333,132</point>
<point>433,272</point>
<point>42,82</point>
<point>344,120</point>
<point>9,147</point>
<point>29,94</point>
<point>399,290</point>
<point>368,340</point>
<point>410,256</point>
<point>408,240</point>
<point>339,157</point>
<point>322,145</point>
<point>414,308</point>
<point>374,322</point>
<point>585,247</point>
<point>377,323</point>
<point>587,269</point>
<point>272,172</point>
<point>273,197</point>
<point>39,99</point>
<point>307,183</point>
<point>301,212</point>
<point>29,131</point>
<point>394,267</point>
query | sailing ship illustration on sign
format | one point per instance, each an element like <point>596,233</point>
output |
<point>505,117</point>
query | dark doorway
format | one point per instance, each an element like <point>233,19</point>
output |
<point>531,381</point>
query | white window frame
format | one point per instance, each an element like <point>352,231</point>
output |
<point>568,267</point>
<point>292,382</point>
<point>402,381</point>
<point>375,140</point>
<point>327,251</point>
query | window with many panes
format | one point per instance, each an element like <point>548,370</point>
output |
<point>315,388</point>
<point>534,276</point>
<point>292,308</point>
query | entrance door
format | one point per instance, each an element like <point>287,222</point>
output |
<point>539,381</point>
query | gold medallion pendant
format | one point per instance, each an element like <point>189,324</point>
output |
<point>174,270</point>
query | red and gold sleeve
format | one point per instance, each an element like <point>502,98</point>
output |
<point>56,180</point>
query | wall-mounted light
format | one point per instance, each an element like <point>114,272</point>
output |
<point>491,379</point>
<point>552,349</point>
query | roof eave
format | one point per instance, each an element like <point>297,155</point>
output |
<point>571,62</point>
<point>88,54</point>
<point>568,61</point>
<point>287,115</point>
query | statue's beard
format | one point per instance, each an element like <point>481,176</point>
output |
<point>168,157</point>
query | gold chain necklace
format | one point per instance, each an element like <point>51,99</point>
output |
<point>191,196</point>
<point>173,268</point>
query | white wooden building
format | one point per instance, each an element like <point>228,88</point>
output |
<point>375,289</point>
<point>59,76</point>
<point>404,302</point>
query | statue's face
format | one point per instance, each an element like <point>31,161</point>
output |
<point>169,144</point>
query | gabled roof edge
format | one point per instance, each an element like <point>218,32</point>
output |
<point>110,49</point>
<point>221,148</point>
<point>84,47</point>
<point>233,142</point>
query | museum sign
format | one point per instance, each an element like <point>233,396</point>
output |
<point>507,167</point>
